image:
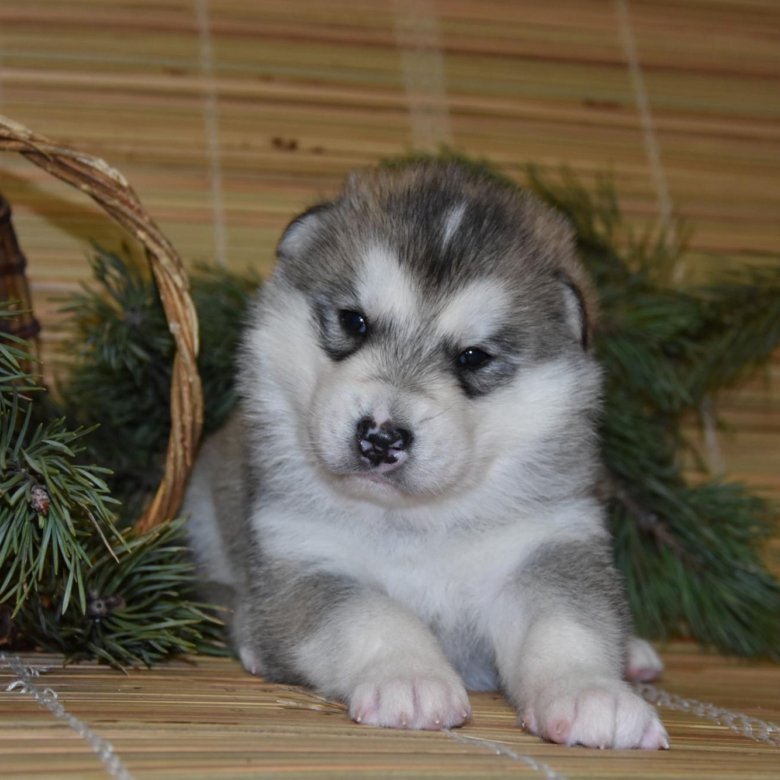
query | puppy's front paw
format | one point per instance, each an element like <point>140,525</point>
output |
<point>596,713</point>
<point>410,701</point>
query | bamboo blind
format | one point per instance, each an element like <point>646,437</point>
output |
<point>229,117</point>
<point>212,721</point>
<point>272,102</point>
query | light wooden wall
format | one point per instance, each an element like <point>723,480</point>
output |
<point>229,116</point>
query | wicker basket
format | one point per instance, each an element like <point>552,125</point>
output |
<point>13,281</point>
<point>110,190</point>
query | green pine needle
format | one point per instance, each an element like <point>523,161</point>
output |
<point>691,555</point>
<point>141,607</point>
<point>45,496</point>
<point>121,376</point>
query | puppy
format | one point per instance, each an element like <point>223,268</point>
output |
<point>404,507</point>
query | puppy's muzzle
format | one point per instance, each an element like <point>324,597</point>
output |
<point>384,445</point>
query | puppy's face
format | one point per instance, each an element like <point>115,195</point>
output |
<point>429,330</point>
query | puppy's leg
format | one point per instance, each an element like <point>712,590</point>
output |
<point>357,644</point>
<point>559,634</point>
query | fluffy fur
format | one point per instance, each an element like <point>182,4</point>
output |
<point>405,505</point>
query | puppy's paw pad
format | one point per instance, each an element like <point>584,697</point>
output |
<point>643,663</point>
<point>410,703</point>
<point>602,714</point>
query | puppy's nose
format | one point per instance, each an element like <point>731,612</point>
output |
<point>384,444</point>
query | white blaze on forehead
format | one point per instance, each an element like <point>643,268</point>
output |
<point>476,312</point>
<point>452,220</point>
<point>384,288</point>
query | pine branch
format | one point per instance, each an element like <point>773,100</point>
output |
<point>221,299</point>
<point>739,329</point>
<point>15,358</point>
<point>68,581</point>
<point>710,583</point>
<point>140,606</point>
<point>45,497</point>
<point>120,380</point>
<point>691,555</point>
<point>119,384</point>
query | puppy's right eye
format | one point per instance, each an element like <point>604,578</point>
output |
<point>473,358</point>
<point>353,322</point>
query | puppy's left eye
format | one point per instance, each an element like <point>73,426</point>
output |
<point>473,359</point>
<point>353,322</point>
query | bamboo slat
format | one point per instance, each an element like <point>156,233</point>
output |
<point>210,720</point>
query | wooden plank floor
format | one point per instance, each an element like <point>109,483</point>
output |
<point>208,719</point>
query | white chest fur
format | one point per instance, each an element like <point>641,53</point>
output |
<point>449,577</point>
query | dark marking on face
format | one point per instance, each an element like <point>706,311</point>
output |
<point>505,357</point>
<point>499,234</point>
<point>337,328</point>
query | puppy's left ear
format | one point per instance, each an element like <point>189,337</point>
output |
<point>576,312</point>
<point>299,234</point>
<point>555,236</point>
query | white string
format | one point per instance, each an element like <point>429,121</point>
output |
<point>422,67</point>
<point>715,459</point>
<point>211,122</point>
<point>739,723</point>
<point>652,149</point>
<point>311,701</point>
<point>2,52</point>
<point>48,698</point>
<point>653,152</point>
<point>502,750</point>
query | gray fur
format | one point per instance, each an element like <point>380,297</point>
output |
<point>578,580</point>
<point>283,607</point>
<point>581,577</point>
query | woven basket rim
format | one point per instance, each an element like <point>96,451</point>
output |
<point>111,191</point>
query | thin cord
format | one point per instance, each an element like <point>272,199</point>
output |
<point>652,149</point>
<point>653,152</point>
<point>48,699</point>
<point>502,750</point>
<point>422,68</point>
<point>739,723</point>
<point>211,122</point>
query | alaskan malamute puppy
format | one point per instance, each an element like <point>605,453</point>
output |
<point>404,506</point>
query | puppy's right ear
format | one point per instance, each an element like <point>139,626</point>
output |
<point>299,233</point>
